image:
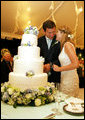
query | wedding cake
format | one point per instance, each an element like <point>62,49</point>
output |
<point>28,62</point>
<point>27,84</point>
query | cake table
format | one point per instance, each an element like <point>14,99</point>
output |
<point>29,112</point>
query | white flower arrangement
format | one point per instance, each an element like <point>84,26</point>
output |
<point>19,100</point>
<point>10,91</point>
<point>37,102</point>
<point>33,97</point>
<point>10,102</point>
<point>31,30</point>
<point>2,89</point>
<point>51,98</point>
<point>28,96</point>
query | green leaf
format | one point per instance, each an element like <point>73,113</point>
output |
<point>15,105</point>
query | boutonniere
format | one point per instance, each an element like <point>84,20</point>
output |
<point>55,43</point>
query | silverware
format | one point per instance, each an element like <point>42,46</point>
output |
<point>50,116</point>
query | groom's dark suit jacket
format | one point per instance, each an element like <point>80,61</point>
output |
<point>51,56</point>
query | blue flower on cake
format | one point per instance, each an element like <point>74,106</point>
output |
<point>29,44</point>
<point>31,30</point>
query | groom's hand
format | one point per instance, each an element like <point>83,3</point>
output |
<point>46,68</point>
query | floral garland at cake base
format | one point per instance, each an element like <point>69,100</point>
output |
<point>37,97</point>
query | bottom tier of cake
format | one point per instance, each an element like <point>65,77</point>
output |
<point>23,82</point>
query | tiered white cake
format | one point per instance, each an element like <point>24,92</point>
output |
<point>28,65</point>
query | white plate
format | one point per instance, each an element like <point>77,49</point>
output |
<point>74,100</point>
<point>74,110</point>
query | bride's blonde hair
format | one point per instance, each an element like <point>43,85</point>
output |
<point>67,36</point>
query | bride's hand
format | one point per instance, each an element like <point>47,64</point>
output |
<point>56,68</point>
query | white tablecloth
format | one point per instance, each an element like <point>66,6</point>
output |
<point>27,112</point>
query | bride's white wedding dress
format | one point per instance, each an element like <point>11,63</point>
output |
<point>69,79</point>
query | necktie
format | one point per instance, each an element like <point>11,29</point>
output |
<point>49,42</point>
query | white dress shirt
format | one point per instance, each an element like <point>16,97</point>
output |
<point>49,41</point>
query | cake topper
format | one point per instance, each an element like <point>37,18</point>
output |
<point>31,30</point>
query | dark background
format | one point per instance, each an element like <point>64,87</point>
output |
<point>12,45</point>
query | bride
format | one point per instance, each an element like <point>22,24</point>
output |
<point>69,63</point>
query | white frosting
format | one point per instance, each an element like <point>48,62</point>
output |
<point>23,82</point>
<point>26,52</point>
<point>29,39</point>
<point>22,66</point>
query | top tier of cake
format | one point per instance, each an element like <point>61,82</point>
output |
<point>29,40</point>
<point>29,37</point>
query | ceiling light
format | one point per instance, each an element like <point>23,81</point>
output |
<point>28,9</point>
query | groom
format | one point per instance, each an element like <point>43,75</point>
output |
<point>50,49</point>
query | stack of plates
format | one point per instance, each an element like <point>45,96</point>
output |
<point>74,106</point>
